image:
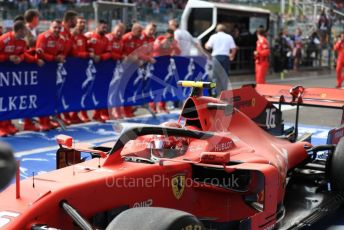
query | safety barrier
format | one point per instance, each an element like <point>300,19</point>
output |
<point>27,90</point>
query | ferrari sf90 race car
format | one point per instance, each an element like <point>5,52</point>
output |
<point>228,163</point>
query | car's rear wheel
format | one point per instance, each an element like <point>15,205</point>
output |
<point>337,166</point>
<point>147,218</point>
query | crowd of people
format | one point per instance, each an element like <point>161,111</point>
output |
<point>155,5</point>
<point>23,5</point>
<point>290,51</point>
<point>67,37</point>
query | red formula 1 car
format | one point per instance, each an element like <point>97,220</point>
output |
<point>216,168</point>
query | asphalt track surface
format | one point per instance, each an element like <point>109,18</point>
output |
<point>36,150</point>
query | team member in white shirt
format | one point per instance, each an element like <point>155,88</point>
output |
<point>223,52</point>
<point>31,17</point>
<point>185,40</point>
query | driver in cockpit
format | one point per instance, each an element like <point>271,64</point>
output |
<point>157,146</point>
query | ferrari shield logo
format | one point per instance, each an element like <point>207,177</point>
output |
<point>178,185</point>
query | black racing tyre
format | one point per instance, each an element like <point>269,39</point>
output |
<point>336,167</point>
<point>7,165</point>
<point>147,218</point>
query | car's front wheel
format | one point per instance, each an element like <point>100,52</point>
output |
<point>147,218</point>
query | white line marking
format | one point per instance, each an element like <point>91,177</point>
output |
<point>287,107</point>
<point>34,159</point>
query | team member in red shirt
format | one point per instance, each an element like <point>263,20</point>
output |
<point>149,38</point>
<point>12,48</point>
<point>50,44</point>
<point>69,22</point>
<point>339,47</point>
<point>148,35</point>
<point>262,56</point>
<point>133,42</point>
<point>98,43</point>
<point>79,49</point>
<point>50,47</point>
<point>165,45</point>
<point>116,49</point>
<point>136,43</point>
<point>116,42</point>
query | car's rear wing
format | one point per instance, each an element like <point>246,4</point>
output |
<point>315,97</point>
<point>298,95</point>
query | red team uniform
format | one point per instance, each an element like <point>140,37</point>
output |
<point>131,43</point>
<point>163,48</point>
<point>67,50</point>
<point>117,53</point>
<point>147,46</point>
<point>116,47</point>
<point>79,47</point>
<point>262,59</point>
<point>9,45</point>
<point>99,45</point>
<point>142,44</point>
<point>339,47</point>
<point>66,34</point>
<point>51,45</point>
<point>148,42</point>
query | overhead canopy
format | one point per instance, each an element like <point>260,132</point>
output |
<point>227,6</point>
